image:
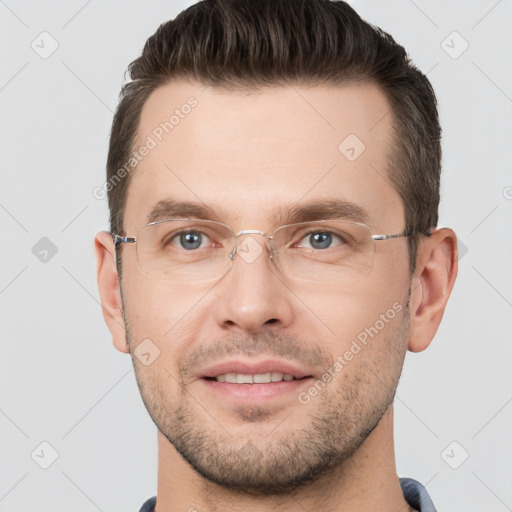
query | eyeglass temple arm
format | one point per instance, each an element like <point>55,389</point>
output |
<point>400,235</point>
<point>122,239</point>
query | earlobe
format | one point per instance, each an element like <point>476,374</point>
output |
<point>432,284</point>
<point>109,289</point>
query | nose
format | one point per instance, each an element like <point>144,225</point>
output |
<point>253,295</point>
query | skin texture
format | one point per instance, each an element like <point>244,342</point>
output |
<point>247,155</point>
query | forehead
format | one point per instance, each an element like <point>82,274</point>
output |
<point>248,154</point>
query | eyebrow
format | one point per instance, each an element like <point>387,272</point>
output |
<point>328,209</point>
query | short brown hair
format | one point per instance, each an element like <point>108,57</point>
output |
<point>242,44</point>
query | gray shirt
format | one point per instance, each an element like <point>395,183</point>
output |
<point>414,493</point>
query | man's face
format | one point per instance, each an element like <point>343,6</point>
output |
<point>248,157</point>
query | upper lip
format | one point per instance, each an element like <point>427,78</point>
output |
<point>253,368</point>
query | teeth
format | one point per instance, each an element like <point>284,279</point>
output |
<point>229,377</point>
<point>262,378</point>
<point>259,378</point>
<point>243,379</point>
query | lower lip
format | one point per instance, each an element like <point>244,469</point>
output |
<point>257,391</point>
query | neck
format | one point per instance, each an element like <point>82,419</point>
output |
<point>366,481</point>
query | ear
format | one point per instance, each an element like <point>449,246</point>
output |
<point>432,283</point>
<point>110,290</point>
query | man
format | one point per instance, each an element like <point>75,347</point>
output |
<point>273,179</point>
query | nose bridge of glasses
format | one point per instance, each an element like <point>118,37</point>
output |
<point>248,232</point>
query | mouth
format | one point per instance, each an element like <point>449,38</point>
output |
<point>258,378</point>
<point>248,382</point>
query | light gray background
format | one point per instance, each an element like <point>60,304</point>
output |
<point>61,380</point>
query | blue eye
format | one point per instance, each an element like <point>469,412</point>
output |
<point>189,240</point>
<point>321,239</point>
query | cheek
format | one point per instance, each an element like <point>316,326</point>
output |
<point>164,313</point>
<point>391,265</point>
<point>340,315</point>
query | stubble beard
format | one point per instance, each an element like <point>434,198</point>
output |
<point>340,419</point>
